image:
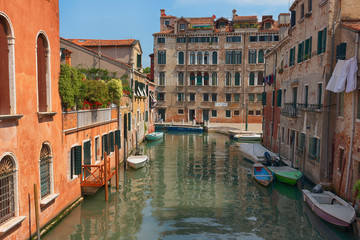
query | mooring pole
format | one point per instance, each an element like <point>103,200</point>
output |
<point>117,166</point>
<point>124,154</point>
<point>105,177</point>
<point>37,219</point>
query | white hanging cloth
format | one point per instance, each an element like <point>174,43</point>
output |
<point>352,78</point>
<point>344,73</point>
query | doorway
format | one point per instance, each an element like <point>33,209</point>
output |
<point>191,115</point>
<point>205,115</point>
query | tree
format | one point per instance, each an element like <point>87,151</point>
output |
<point>146,70</point>
<point>115,90</point>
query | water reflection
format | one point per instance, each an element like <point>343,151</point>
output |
<point>196,186</point>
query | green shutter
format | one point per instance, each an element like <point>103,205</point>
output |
<point>112,144</point>
<point>319,42</point>
<point>310,47</point>
<point>278,98</point>
<point>78,160</point>
<point>129,121</point>
<point>117,139</point>
<point>263,98</point>
<point>324,34</point>
<point>273,98</point>
<point>103,149</point>
<point>106,143</point>
<point>299,53</point>
<point>146,116</point>
<point>138,60</point>
<point>312,148</point>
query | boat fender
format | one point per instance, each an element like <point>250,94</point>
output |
<point>317,189</point>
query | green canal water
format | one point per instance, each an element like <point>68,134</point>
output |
<point>195,186</point>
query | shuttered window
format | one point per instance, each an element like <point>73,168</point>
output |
<point>308,44</point>
<point>314,148</point>
<point>105,144</point>
<point>111,142</point>
<point>117,139</point>
<point>252,79</point>
<point>263,99</point>
<point>237,79</point>
<point>77,160</point>
<point>181,58</point>
<point>300,52</point>
<point>341,51</point>
<point>129,121</point>
<point>322,41</point>
<point>278,98</point>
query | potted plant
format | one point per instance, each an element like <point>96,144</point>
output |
<point>281,70</point>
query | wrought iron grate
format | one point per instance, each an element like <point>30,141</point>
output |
<point>7,198</point>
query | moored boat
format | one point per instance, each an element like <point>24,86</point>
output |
<point>261,174</point>
<point>255,152</point>
<point>154,136</point>
<point>286,174</point>
<point>330,207</point>
<point>247,137</point>
<point>137,161</point>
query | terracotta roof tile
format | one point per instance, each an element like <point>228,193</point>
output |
<point>165,32</point>
<point>351,24</point>
<point>205,20</point>
<point>245,18</point>
<point>101,42</point>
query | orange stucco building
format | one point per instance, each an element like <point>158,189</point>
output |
<point>30,118</point>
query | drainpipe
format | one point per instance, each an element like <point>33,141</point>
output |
<point>352,123</point>
<point>273,101</point>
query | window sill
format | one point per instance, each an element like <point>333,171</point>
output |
<point>301,19</point>
<point>11,117</point>
<point>7,226</point>
<point>322,3</point>
<point>48,199</point>
<point>46,114</point>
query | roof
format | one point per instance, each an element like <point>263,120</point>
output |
<point>353,25</point>
<point>165,32</point>
<point>204,20</point>
<point>101,42</point>
<point>245,18</point>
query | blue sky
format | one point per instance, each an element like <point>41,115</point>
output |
<point>139,19</point>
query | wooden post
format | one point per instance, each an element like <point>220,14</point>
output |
<point>117,166</point>
<point>36,199</point>
<point>124,154</point>
<point>105,177</point>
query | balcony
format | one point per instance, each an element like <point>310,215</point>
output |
<point>310,107</point>
<point>289,110</point>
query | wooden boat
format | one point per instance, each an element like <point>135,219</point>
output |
<point>137,161</point>
<point>254,152</point>
<point>154,136</point>
<point>330,207</point>
<point>261,174</point>
<point>286,174</point>
<point>247,137</point>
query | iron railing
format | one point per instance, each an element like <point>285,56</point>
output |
<point>289,110</point>
<point>310,107</point>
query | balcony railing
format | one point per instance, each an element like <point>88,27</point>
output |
<point>310,107</point>
<point>289,110</point>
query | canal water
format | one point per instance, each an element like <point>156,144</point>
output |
<point>195,186</point>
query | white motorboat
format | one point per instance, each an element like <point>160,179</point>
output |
<point>137,161</point>
<point>247,137</point>
<point>255,152</point>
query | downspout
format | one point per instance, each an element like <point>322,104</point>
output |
<point>273,101</point>
<point>263,106</point>
<point>353,122</point>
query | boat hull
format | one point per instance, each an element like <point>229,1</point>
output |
<point>262,175</point>
<point>286,174</point>
<point>154,136</point>
<point>137,162</point>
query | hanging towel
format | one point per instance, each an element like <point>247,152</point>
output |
<point>337,82</point>
<point>352,78</point>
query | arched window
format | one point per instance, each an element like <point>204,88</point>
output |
<point>206,58</point>
<point>43,73</point>
<point>261,56</point>
<point>206,79</point>
<point>237,79</point>
<point>181,58</point>
<point>181,79</point>
<point>7,67</point>
<point>192,57</point>
<point>45,170</point>
<point>214,81</point>
<point>192,79</point>
<point>7,189</point>
<point>214,58</point>
<point>228,79</point>
<point>251,79</point>
<point>198,79</point>
<point>199,58</point>
<point>161,79</point>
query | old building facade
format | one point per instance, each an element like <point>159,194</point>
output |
<point>212,69</point>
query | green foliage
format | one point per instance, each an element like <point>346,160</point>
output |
<point>96,91</point>
<point>356,187</point>
<point>115,90</point>
<point>146,70</point>
<point>97,74</point>
<point>70,86</point>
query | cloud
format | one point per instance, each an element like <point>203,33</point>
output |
<point>238,2</point>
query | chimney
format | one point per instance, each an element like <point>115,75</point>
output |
<point>67,57</point>
<point>162,13</point>
<point>234,13</point>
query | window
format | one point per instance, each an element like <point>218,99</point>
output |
<point>302,8</point>
<point>251,79</point>
<point>268,25</point>
<point>181,97</point>
<point>252,56</point>
<point>261,56</point>
<point>205,97</point>
<point>192,57</point>
<point>300,52</point>
<point>263,98</point>
<point>161,96</point>
<point>75,161</point>
<point>309,5</point>
<point>276,38</point>
<point>322,41</point>
<point>181,58</point>
<point>214,79</point>
<point>7,188</point>
<point>341,51</point>
<point>301,141</point>
<point>206,79</point>
<point>199,58</point>
<point>97,148</point>
<point>236,113</point>
<point>259,97</point>
<point>314,148</point>
<point>43,77</point>
<point>192,97</point>
<point>319,92</point>
<point>237,79</point>
<point>111,140</point>
<point>180,111</point>
<point>206,58</point>
<point>5,103</point>
<point>181,40</point>
<point>228,97</point>
<point>265,38</point>
<point>251,112</point>
<point>199,79</point>
<point>161,57</point>
<point>192,79</point>
<point>278,97</point>
<point>161,40</point>
<point>282,135</point>
<point>180,79</point>
<point>213,113</point>
<point>341,159</point>
<point>233,39</point>
<point>237,59</point>
<point>214,97</point>
<point>308,47</point>
<point>161,79</point>
<point>260,79</point>
<point>105,142</point>
<point>87,157</point>
<point>214,58</point>
<point>258,112</point>
<point>214,39</point>
<point>293,18</point>
<point>292,57</point>
<point>227,113</point>
<point>251,97</point>
<point>229,57</point>
<point>45,170</point>
<point>253,38</point>
<point>228,79</point>
<point>182,26</point>
<point>117,132</point>
<point>236,97</point>
<point>341,104</point>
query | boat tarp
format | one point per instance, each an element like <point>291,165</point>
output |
<point>255,149</point>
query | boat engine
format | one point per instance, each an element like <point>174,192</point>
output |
<point>317,189</point>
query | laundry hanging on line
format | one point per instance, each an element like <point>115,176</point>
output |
<point>344,73</point>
